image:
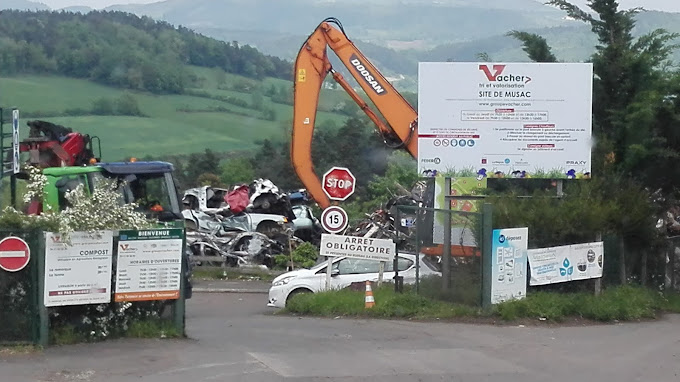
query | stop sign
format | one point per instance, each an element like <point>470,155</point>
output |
<point>338,183</point>
<point>14,254</point>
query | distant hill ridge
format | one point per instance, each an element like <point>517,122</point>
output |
<point>122,49</point>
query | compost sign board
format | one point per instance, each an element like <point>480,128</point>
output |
<point>357,247</point>
<point>517,120</point>
<point>78,268</point>
<point>566,263</point>
<point>149,265</point>
<point>509,264</point>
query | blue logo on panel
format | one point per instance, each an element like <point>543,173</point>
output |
<point>568,268</point>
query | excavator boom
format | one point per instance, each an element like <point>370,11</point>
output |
<point>311,68</point>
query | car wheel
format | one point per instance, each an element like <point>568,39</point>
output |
<point>297,292</point>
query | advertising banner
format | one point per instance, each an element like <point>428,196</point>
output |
<point>519,120</point>
<point>357,247</point>
<point>566,263</point>
<point>149,265</point>
<point>509,264</point>
<point>78,271</point>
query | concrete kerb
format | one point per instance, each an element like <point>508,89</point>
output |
<point>229,290</point>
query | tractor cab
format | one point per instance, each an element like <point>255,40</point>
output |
<point>150,185</point>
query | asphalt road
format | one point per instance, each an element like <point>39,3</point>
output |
<point>235,337</point>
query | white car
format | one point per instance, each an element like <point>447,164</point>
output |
<point>344,272</point>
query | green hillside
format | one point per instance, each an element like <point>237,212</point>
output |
<point>171,124</point>
<point>146,87</point>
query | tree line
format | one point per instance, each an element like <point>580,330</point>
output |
<point>122,49</point>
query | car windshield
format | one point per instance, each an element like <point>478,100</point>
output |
<point>300,212</point>
<point>356,266</point>
<point>149,191</point>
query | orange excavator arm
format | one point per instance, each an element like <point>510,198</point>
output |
<point>311,68</point>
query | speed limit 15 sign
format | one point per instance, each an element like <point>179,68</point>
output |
<point>334,219</point>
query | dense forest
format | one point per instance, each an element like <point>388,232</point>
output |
<point>121,49</point>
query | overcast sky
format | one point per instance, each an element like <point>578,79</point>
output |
<point>665,5</point>
<point>91,3</point>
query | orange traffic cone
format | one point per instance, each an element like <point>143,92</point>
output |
<point>370,302</point>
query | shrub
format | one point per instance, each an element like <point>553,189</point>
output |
<point>304,256</point>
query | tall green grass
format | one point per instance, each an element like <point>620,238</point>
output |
<point>624,303</point>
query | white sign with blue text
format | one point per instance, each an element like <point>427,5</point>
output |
<point>509,264</point>
<point>566,263</point>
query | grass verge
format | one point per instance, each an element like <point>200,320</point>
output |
<point>18,350</point>
<point>152,329</point>
<point>388,304</point>
<point>148,328</point>
<point>625,303</point>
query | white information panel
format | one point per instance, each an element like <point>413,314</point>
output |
<point>78,270</point>
<point>149,265</point>
<point>566,263</point>
<point>516,120</point>
<point>509,264</point>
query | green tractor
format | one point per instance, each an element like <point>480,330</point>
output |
<point>68,160</point>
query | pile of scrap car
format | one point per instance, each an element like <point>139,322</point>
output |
<point>246,224</point>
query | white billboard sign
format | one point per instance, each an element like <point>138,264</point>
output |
<point>566,263</point>
<point>357,247</point>
<point>505,120</point>
<point>78,271</point>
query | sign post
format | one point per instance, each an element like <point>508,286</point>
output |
<point>338,184</point>
<point>15,141</point>
<point>14,254</point>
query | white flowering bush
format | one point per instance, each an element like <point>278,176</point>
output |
<point>101,211</point>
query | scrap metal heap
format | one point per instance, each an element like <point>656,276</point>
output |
<point>240,225</point>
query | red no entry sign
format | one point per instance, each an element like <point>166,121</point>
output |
<point>14,254</point>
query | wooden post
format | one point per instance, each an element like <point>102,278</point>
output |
<point>446,250</point>
<point>560,188</point>
<point>643,268</point>
<point>622,261</point>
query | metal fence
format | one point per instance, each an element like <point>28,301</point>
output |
<point>19,296</point>
<point>449,242</point>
